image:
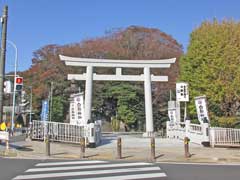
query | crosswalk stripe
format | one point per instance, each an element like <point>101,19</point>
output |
<point>86,167</point>
<point>69,163</point>
<point>127,177</point>
<point>53,175</point>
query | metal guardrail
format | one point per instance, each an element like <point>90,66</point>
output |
<point>60,132</point>
<point>160,133</point>
<point>224,137</point>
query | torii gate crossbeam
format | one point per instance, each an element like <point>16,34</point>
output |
<point>147,77</point>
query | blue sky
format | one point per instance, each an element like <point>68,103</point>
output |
<point>35,23</point>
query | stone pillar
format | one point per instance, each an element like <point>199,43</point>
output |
<point>205,130</point>
<point>148,102</point>
<point>168,129</point>
<point>187,128</point>
<point>88,93</point>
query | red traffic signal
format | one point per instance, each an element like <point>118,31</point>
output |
<point>19,80</point>
<point>18,83</point>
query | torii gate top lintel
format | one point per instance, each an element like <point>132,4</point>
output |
<point>75,61</point>
<point>147,77</point>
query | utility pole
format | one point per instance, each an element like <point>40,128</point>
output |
<point>3,57</point>
<point>51,102</point>
<point>30,117</point>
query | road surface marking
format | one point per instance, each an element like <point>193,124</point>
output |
<point>97,172</point>
<point>86,167</point>
<point>69,163</point>
<point>127,177</point>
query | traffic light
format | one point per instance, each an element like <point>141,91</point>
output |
<point>18,83</point>
<point>7,87</point>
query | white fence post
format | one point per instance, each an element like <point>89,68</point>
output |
<point>212,137</point>
<point>187,129</point>
<point>205,130</point>
<point>167,129</point>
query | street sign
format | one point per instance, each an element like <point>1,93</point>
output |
<point>7,87</point>
<point>45,110</point>
<point>4,135</point>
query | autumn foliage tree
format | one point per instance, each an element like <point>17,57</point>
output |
<point>135,43</point>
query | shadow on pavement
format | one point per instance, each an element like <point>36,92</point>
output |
<point>21,148</point>
<point>160,155</point>
<point>107,139</point>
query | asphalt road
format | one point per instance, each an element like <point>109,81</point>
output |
<point>11,168</point>
<point>201,172</point>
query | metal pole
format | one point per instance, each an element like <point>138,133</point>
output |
<point>185,111</point>
<point>14,84</point>
<point>119,148</point>
<point>82,147</point>
<point>47,143</point>
<point>153,149</point>
<point>186,147</point>
<point>51,93</point>
<point>30,116</point>
<point>3,57</point>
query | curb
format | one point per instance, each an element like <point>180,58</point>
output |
<point>8,153</point>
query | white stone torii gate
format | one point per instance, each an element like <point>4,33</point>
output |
<point>147,77</point>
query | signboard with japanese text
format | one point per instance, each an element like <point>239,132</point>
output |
<point>201,106</point>
<point>174,111</point>
<point>182,94</point>
<point>77,109</point>
<point>172,115</point>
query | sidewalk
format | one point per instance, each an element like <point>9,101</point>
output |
<point>134,148</point>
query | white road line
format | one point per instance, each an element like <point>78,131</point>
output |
<point>200,164</point>
<point>97,172</point>
<point>127,177</point>
<point>86,167</point>
<point>69,163</point>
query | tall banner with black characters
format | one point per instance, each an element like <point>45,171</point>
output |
<point>201,106</point>
<point>77,109</point>
<point>172,115</point>
<point>174,111</point>
<point>182,93</point>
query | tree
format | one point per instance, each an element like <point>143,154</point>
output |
<point>131,43</point>
<point>211,67</point>
<point>123,102</point>
<point>58,109</point>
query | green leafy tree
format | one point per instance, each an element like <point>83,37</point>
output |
<point>124,102</point>
<point>211,67</point>
<point>58,109</point>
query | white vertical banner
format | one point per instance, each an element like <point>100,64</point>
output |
<point>77,109</point>
<point>201,106</point>
<point>172,115</point>
<point>174,111</point>
<point>182,93</point>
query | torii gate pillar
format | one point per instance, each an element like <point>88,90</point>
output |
<point>148,102</point>
<point>147,77</point>
<point>88,93</point>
